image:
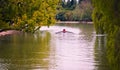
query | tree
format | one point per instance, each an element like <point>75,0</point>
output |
<point>27,15</point>
<point>106,13</point>
<point>73,11</point>
<point>106,18</point>
<point>69,5</point>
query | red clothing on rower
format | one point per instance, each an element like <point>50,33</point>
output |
<point>64,30</point>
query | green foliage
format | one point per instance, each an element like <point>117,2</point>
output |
<point>61,16</point>
<point>84,9</point>
<point>76,12</point>
<point>106,19</point>
<point>69,5</point>
<point>26,15</point>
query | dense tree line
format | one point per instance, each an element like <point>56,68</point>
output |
<point>27,15</point>
<point>75,11</point>
<point>69,5</point>
<point>106,17</point>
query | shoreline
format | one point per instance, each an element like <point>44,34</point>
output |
<point>75,22</point>
<point>9,32</point>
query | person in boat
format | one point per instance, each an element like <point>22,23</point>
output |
<point>64,31</point>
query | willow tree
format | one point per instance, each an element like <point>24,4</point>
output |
<point>106,17</point>
<point>27,15</point>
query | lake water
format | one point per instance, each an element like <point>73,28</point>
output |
<point>50,49</point>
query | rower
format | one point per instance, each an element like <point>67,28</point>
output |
<point>64,31</point>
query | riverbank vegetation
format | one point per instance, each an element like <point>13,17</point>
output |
<point>73,10</point>
<point>25,15</point>
<point>30,15</point>
<point>106,17</point>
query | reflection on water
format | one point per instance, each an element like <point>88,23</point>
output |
<point>100,53</point>
<point>75,52</point>
<point>45,50</point>
<point>24,52</point>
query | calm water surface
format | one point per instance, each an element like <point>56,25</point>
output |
<point>79,49</point>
